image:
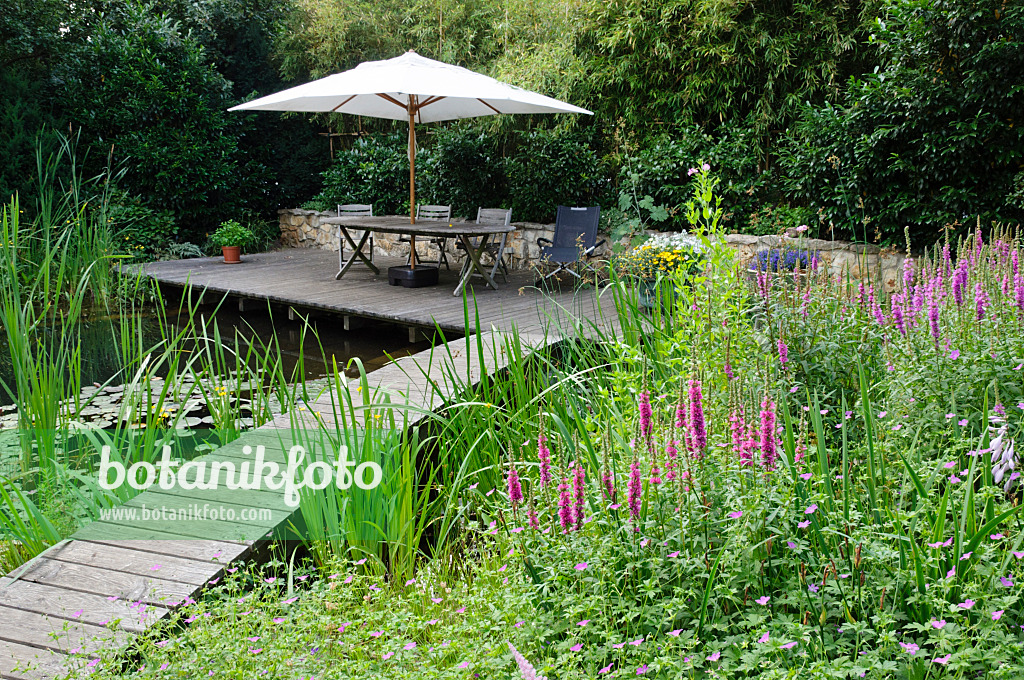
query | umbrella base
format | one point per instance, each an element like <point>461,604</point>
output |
<point>408,277</point>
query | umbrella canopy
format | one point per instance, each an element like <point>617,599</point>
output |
<point>413,88</point>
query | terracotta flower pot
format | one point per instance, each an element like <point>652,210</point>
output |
<point>232,254</point>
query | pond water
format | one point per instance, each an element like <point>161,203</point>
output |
<point>374,343</point>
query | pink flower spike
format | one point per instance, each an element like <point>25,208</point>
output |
<point>998,614</point>
<point>736,515</point>
<point>581,566</point>
<point>938,625</point>
<point>577,647</point>
<point>763,600</point>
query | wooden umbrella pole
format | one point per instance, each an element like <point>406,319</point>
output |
<point>412,178</point>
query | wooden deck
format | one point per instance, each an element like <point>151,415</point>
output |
<point>118,576</point>
<point>304,279</point>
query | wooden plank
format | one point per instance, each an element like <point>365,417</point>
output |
<point>59,635</point>
<point>84,578</point>
<point>21,662</point>
<point>119,532</point>
<point>216,552</point>
<point>117,527</point>
<point>74,605</point>
<point>118,559</point>
<point>252,513</point>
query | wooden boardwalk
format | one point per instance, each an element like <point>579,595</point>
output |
<point>118,576</point>
<point>304,278</point>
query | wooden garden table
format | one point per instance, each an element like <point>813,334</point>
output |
<point>466,232</point>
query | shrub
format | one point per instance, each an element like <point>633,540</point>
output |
<point>143,86</point>
<point>375,171</point>
<point>140,230</point>
<point>660,169</point>
<point>550,168</point>
<point>931,138</point>
<point>463,169</point>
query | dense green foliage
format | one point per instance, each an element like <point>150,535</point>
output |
<point>857,117</point>
<point>930,138</point>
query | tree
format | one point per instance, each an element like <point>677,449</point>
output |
<point>932,137</point>
<point>142,87</point>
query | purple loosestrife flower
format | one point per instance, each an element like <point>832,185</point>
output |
<point>959,282</point>
<point>908,273</point>
<point>532,517</point>
<point>646,427</point>
<point>544,456</point>
<point>768,445</point>
<point>981,301</point>
<point>860,294</point>
<point>783,353</point>
<point>805,302</point>
<point>564,505</point>
<point>608,484</point>
<point>579,488</point>
<point>671,454</point>
<point>933,316</point>
<point>525,668</point>
<point>896,311</point>
<point>634,490</point>
<point>698,432</point>
<point>728,369</point>
<point>515,489</point>
<point>876,309</point>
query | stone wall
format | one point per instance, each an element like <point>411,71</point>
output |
<point>856,260</point>
<point>305,229</point>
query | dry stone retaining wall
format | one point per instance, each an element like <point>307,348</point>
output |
<point>305,229</point>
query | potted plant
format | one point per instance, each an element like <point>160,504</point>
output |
<point>662,257</point>
<point>231,236</point>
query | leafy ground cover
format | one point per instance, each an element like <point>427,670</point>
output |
<point>768,474</point>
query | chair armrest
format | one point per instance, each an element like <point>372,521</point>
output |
<point>543,240</point>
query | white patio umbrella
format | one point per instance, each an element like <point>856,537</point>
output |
<point>414,88</point>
